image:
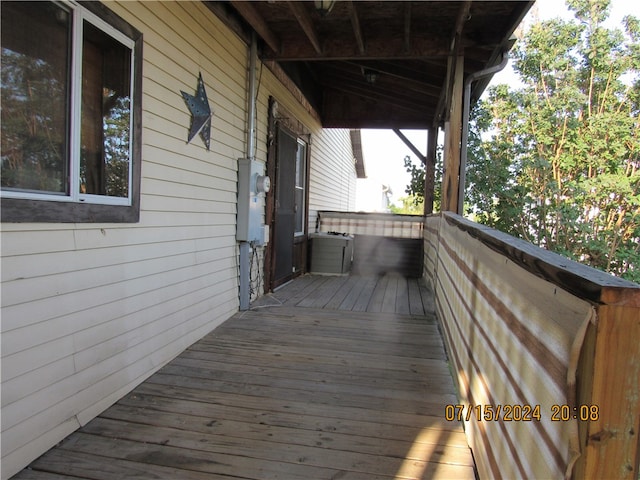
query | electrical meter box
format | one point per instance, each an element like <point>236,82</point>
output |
<point>252,187</point>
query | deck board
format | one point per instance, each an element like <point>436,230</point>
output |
<point>329,377</point>
<point>386,293</point>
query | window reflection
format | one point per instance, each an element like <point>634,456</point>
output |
<point>35,96</point>
<point>105,138</point>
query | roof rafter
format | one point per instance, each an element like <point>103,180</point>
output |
<point>455,49</point>
<point>259,24</point>
<point>376,48</point>
<point>407,100</point>
<point>403,72</point>
<point>387,77</point>
<point>413,46</point>
<point>407,27</point>
<point>355,23</point>
<point>304,19</point>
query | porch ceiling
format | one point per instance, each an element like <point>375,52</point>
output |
<point>408,44</point>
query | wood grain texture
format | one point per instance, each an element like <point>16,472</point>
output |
<point>390,293</point>
<point>610,449</point>
<point>581,280</point>
<point>91,309</point>
<point>469,262</point>
<point>451,180</point>
<point>287,391</point>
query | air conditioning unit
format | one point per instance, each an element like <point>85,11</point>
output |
<point>331,254</point>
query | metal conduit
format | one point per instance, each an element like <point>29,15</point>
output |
<point>245,268</point>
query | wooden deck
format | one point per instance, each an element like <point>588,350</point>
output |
<point>376,294</point>
<point>320,384</point>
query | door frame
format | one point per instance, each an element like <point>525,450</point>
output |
<point>280,118</point>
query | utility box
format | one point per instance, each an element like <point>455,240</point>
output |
<point>331,254</point>
<point>252,187</point>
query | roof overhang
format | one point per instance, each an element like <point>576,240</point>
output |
<point>378,64</point>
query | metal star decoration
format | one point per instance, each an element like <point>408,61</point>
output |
<point>201,113</point>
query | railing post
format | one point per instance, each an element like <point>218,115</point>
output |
<point>526,326</point>
<point>609,382</point>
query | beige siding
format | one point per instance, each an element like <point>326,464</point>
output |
<point>88,311</point>
<point>91,310</point>
<point>332,182</point>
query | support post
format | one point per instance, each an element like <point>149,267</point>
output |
<point>430,170</point>
<point>453,134</point>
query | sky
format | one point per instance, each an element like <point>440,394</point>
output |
<point>384,152</point>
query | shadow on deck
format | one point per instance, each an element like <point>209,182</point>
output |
<point>327,378</point>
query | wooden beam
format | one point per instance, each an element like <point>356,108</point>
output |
<point>411,146</point>
<point>452,141</point>
<point>378,48</point>
<point>355,24</point>
<point>585,282</point>
<point>609,373</point>
<point>407,103</point>
<point>304,19</point>
<point>455,50</point>
<point>451,103</point>
<point>286,81</point>
<point>430,170</point>
<point>442,101</point>
<point>407,26</point>
<point>344,110</point>
<point>421,73</point>
<point>387,81</point>
<point>259,24</point>
<point>461,19</point>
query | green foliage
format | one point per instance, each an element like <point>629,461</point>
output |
<point>557,162</point>
<point>410,205</point>
<point>33,124</point>
<point>415,189</point>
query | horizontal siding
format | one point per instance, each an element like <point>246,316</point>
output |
<point>332,179</point>
<point>89,311</point>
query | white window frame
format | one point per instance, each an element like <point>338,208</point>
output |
<point>302,149</point>
<point>79,16</point>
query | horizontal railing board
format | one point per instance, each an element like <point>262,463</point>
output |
<point>583,281</point>
<point>502,303</point>
<point>387,225</point>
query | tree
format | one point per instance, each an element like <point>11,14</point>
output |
<point>564,149</point>
<point>410,205</point>
<point>415,188</point>
<point>557,161</point>
<point>33,94</point>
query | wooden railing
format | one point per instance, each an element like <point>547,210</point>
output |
<point>545,353</point>
<point>372,224</point>
<point>384,242</point>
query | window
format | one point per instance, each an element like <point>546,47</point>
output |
<point>301,179</point>
<point>70,104</point>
